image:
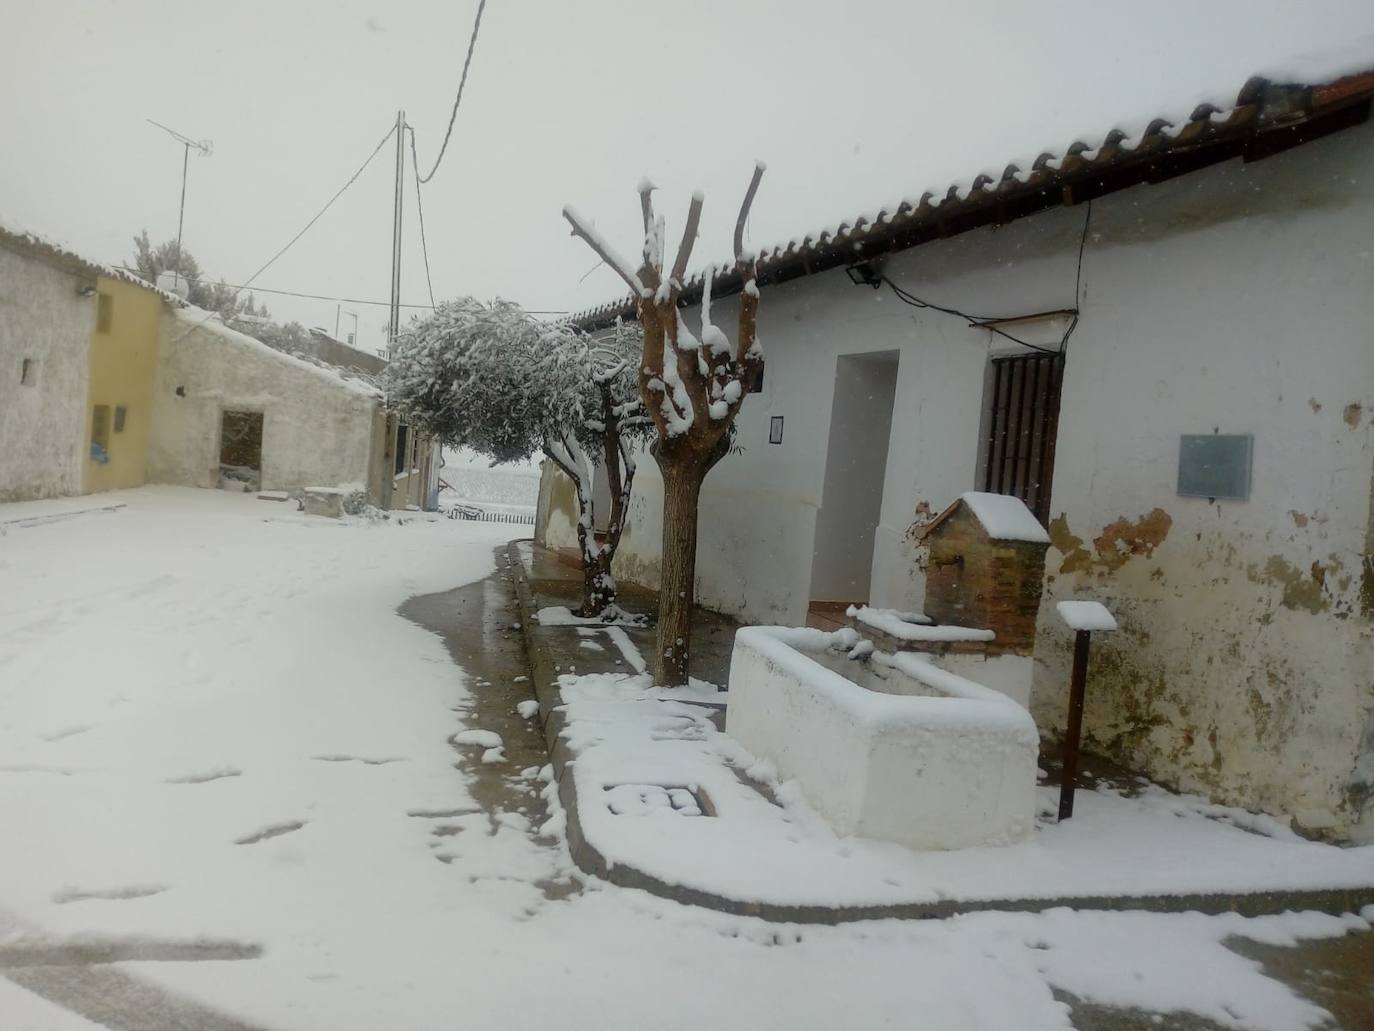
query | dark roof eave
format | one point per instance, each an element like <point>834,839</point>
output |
<point>1267,119</point>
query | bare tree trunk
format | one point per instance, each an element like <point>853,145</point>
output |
<point>677,584</point>
<point>598,585</point>
<point>691,388</point>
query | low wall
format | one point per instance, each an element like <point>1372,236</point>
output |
<point>898,750</point>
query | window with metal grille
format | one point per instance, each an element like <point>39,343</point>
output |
<point>1022,426</point>
<point>402,442</point>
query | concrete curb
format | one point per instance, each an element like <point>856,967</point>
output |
<point>589,860</point>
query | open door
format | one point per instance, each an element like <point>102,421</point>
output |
<point>240,451</point>
<point>852,498</point>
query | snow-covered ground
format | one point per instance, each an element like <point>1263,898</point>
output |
<point>513,487</point>
<point>214,729</point>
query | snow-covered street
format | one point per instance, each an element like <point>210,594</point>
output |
<point>225,761</point>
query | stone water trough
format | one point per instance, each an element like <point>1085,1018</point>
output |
<point>885,746</point>
<point>911,727</point>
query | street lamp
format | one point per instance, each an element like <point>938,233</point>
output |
<point>204,148</point>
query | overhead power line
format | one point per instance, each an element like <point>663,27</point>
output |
<point>342,300</point>
<point>328,204</point>
<point>419,206</point>
<point>453,116</point>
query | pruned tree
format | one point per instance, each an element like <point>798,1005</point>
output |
<point>692,387</point>
<point>492,378</point>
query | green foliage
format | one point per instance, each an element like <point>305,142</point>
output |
<point>151,261</point>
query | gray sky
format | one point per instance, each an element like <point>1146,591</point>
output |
<point>851,104</point>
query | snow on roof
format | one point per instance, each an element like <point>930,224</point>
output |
<point>1005,518</point>
<point>195,319</point>
<point>59,254</point>
<point>1086,615</point>
<point>1325,86</point>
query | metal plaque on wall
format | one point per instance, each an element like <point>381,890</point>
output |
<point>1215,465</point>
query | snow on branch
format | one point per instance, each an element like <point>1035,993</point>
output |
<point>740,255</point>
<point>604,250</point>
<point>689,238</point>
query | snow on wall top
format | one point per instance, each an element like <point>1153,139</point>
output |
<point>1004,517</point>
<point>57,253</point>
<point>191,319</point>
<point>1305,89</point>
<point>1086,615</point>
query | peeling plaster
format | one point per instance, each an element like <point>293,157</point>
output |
<point>1119,541</point>
<point>1351,415</point>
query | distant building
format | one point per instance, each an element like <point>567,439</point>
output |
<point>1169,358</point>
<point>111,383</point>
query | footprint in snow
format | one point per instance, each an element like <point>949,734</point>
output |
<point>354,759</point>
<point>66,732</point>
<point>272,830</point>
<point>205,776</point>
<point>133,891</point>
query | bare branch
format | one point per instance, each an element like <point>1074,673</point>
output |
<point>646,208</point>
<point>759,167</point>
<point>582,228</point>
<point>689,237</point>
<point>646,202</point>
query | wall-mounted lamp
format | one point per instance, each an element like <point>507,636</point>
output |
<point>85,290</point>
<point>867,274</point>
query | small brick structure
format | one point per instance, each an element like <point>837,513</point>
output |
<point>987,569</point>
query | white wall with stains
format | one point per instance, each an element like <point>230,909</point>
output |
<point>42,423</point>
<point>317,425</point>
<point>1240,299</point>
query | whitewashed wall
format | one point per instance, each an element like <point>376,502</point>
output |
<point>855,470</point>
<point>43,426</point>
<point>1239,299</point>
<point>317,426</point>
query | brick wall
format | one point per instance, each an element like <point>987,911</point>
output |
<point>977,582</point>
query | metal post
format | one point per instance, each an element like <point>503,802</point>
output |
<point>338,311</point>
<point>1075,728</point>
<point>394,327</point>
<point>181,213</point>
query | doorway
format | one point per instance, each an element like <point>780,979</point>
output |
<point>855,469</point>
<point>240,451</point>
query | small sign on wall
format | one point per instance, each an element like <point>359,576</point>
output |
<point>775,430</point>
<point>1215,465</point>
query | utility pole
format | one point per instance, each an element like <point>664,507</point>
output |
<point>204,148</point>
<point>394,329</point>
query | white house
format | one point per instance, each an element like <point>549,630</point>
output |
<point>1169,355</point>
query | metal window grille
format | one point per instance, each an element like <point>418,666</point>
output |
<point>1019,450</point>
<point>402,441</point>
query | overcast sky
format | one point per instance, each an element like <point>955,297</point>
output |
<point>852,104</point>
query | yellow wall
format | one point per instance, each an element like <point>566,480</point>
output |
<point>123,374</point>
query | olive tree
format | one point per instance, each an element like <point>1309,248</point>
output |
<point>490,377</point>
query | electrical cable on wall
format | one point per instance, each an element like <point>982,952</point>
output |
<point>462,81</point>
<point>983,321</point>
